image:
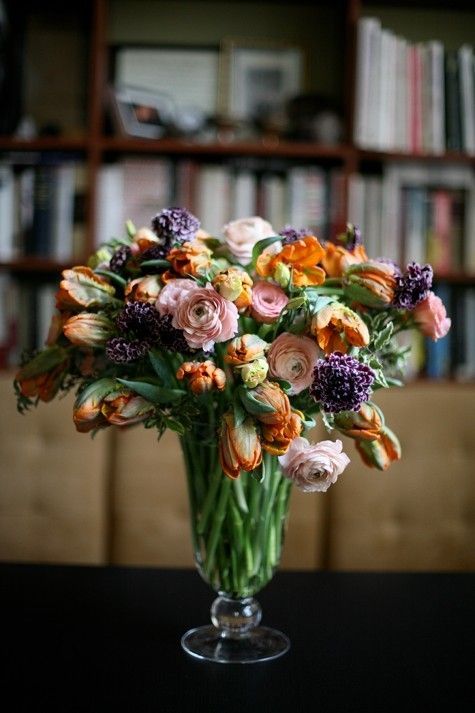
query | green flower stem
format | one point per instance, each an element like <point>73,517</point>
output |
<point>191,499</point>
<point>217,524</point>
<point>209,501</point>
<point>240,495</point>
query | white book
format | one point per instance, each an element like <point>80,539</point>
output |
<point>244,192</point>
<point>401,97</point>
<point>146,190</point>
<point>356,202</point>
<point>372,216</point>
<point>109,203</point>
<point>7,213</point>
<point>316,209</point>
<point>213,200</point>
<point>467,98</point>
<point>426,99</point>
<point>437,96</point>
<point>387,92</point>
<point>296,197</point>
<point>273,199</point>
<point>367,27</point>
<point>374,98</point>
<point>415,225</point>
<point>63,212</point>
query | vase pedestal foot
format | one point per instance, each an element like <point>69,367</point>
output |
<point>210,644</point>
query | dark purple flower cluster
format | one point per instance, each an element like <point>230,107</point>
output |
<point>118,261</point>
<point>157,252</point>
<point>412,286</point>
<point>290,235</point>
<point>123,351</point>
<point>341,383</point>
<point>175,225</point>
<point>140,319</point>
<point>171,338</point>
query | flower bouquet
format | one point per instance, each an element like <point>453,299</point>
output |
<point>238,344</point>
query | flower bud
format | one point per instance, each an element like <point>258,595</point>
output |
<point>370,283</point>
<point>143,289</point>
<point>381,452</point>
<point>245,349</point>
<point>365,424</point>
<point>281,275</point>
<point>255,372</point>
<point>234,284</point>
<point>88,329</point>
<point>239,446</point>
<point>202,376</point>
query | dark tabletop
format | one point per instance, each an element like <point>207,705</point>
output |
<point>100,639</point>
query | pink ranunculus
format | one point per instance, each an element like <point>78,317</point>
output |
<point>171,295</point>
<point>241,236</point>
<point>292,358</point>
<point>431,316</point>
<point>268,301</point>
<point>313,467</point>
<point>205,318</point>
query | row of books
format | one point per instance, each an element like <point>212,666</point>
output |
<point>302,196</point>
<point>42,209</point>
<point>412,97</point>
<point>25,317</point>
<point>417,213</point>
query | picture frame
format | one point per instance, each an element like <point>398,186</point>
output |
<point>141,113</point>
<point>258,77</point>
<point>188,74</point>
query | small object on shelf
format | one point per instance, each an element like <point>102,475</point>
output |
<point>314,117</point>
<point>141,113</point>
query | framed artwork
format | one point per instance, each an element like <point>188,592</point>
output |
<point>189,75</point>
<point>258,77</point>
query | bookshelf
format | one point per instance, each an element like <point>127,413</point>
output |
<point>330,28</point>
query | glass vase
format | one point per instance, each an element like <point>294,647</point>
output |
<point>237,530</point>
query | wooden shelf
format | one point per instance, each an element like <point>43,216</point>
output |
<point>456,278</point>
<point>278,149</point>
<point>35,264</point>
<point>382,156</point>
<point>43,143</point>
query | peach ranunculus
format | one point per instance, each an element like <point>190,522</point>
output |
<point>431,317</point>
<point>245,349</point>
<point>143,289</point>
<point>335,320</point>
<point>171,295</point>
<point>234,284</point>
<point>239,446</point>
<point>268,301</point>
<point>313,467</point>
<point>302,256</point>
<point>241,236</point>
<point>202,376</point>
<point>370,283</point>
<point>205,318</point>
<point>88,329</point>
<point>337,258</point>
<point>191,258</point>
<point>292,357</point>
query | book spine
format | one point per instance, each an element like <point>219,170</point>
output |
<point>43,211</point>
<point>452,102</point>
<point>467,98</point>
<point>367,28</point>
<point>7,213</point>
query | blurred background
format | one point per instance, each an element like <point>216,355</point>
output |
<point>307,113</point>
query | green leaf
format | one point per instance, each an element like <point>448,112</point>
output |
<point>295,303</point>
<point>328,420</point>
<point>175,426</point>
<point>262,245</point>
<point>160,367</point>
<point>284,385</point>
<point>317,302</point>
<point>43,362</point>
<point>394,382</point>
<point>112,276</point>
<point>259,473</point>
<point>152,392</point>
<point>130,228</point>
<point>239,412</point>
<point>155,263</point>
<point>212,243</point>
<point>383,337</point>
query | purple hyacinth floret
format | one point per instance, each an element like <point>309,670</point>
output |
<point>157,252</point>
<point>341,383</point>
<point>412,287</point>
<point>123,351</point>
<point>118,261</point>
<point>171,338</point>
<point>290,235</point>
<point>175,225</point>
<point>353,236</point>
<point>140,319</point>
